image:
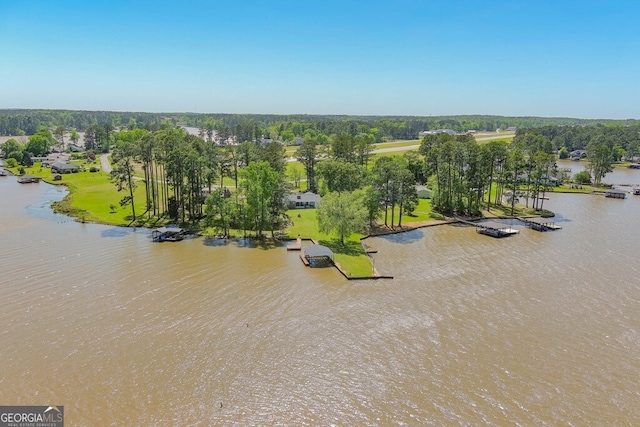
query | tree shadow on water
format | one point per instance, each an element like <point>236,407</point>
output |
<point>116,232</point>
<point>406,237</point>
<point>215,241</point>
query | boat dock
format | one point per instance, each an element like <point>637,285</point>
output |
<point>491,228</point>
<point>540,224</point>
<point>295,246</point>
<point>165,234</point>
<point>495,229</point>
<point>27,179</point>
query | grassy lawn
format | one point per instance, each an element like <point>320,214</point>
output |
<point>566,188</point>
<point>421,213</point>
<point>350,256</point>
<point>91,196</point>
<point>396,144</point>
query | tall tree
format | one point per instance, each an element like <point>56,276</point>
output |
<point>601,160</point>
<point>343,213</point>
<point>58,133</point>
<point>122,173</point>
<point>339,175</point>
<point>306,154</point>
<point>343,147</point>
<point>259,184</point>
<point>273,153</point>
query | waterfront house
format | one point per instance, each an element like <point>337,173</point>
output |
<point>62,167</point>
<point>578,154</point>
<point>303,200</point>
<point>615,194</point>
<point>423,192</point>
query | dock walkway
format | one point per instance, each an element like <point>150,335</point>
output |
<point>295,246</point>
<point>540,224</point>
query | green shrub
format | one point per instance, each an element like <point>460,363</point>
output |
<point>582,178</point>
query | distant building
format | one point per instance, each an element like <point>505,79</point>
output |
<point>436,132</point>
<point>511,129</point>
<point>615,194</point>
<point>578,154</point>
<point>303,200</point>
<point>423,192</point>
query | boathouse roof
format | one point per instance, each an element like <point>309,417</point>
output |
<point>493,225</point>
<point>168,230</point>
<point>541,221</point>
<point>316,251</point>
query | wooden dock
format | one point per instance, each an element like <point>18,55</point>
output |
<point>295,246</point>
<point>492,228</point>
<point>305,261</point>
<point>540,224</point>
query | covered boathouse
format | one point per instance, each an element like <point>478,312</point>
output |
<point>317,256</point>
<point>165,234</point>
<point>28,179</point>
<point>540,224</point>
<point>615,194</point>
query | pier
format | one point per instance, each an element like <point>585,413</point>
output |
<point>492,228</point>
<point>540,224</point>
<point>295,246</point>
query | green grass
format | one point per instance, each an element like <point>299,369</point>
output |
<point>421,213</point>
<point>396,144</point>
<point>91,195</point>
<point>583,189</point>
<point>351,256</point>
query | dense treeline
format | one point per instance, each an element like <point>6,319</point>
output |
<point>181,169</point>
<point>467,177</point>
<point>615,137</point>
<point>284,127</point>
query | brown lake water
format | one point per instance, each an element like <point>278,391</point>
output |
<point>535,329</point>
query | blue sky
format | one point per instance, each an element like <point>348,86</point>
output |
<point>400,57</point>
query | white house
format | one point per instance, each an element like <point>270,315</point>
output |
<point>303,200</point>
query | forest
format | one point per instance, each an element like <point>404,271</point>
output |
<point>234,173</point>
<point>284,127</point>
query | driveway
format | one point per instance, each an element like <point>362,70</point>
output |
<point>104,162</point>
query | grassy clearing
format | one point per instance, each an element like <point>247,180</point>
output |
<point>396,144</point>
<point>567,188</point>
<point>351,256</point>
<point>92,196</point>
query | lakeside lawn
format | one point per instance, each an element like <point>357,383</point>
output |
<point>92,196</point>
<point>351,256</point>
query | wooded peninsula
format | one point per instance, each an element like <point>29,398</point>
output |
<point>246,175</point>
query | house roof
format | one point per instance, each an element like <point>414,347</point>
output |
<point>64,166</point>
<point>168,230</point>
<point>307,196</point>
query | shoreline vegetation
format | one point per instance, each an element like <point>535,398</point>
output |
<point>233,176</point>
<point>89,194</point>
